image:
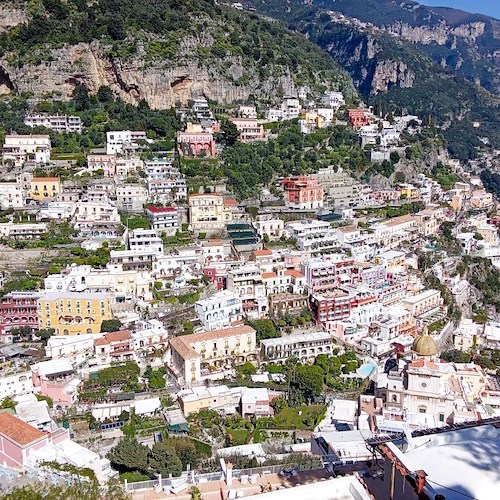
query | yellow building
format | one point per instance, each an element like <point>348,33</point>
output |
<point>209,212</point>
<point>409,192</point>
<point>45,187</point>
<point>73,313</point>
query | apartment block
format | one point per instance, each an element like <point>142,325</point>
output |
<point>208,212</point>
<point>222,349</point>
<point>221,310</point>
<point>58,123</point>
<point>304,346</point>
<point>74,313</point>
<point>164,219</point>
<point>11,195</point>
<point>131,197</point>
<point>23,148</point>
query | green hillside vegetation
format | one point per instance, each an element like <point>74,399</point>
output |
<point>471,59</point>
<point>453,101</point>
<point>99,113</point>
<point>248,167</point>
<point>153,31</point>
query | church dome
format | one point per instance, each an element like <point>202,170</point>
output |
<point>424,345</point>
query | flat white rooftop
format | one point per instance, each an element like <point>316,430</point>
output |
<point>297,337</point>
<point>339,488</point>
<point>459,464</point>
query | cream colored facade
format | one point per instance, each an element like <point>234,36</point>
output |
<point>22,148</point>
<point>208,398</point>
<point>423,303</point>
<point>124,284</point>
<point>428,221</point>
<point>11,195</point>
<point>76,348</point>
<point>219,349</point>
<point>207,212</point>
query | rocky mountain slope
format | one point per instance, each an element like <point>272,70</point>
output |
<point>394,73</point>
<point>467,44</point>
<point>161,52</point>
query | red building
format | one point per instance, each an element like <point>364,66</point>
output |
<point>358,117</point>
<point>217,276</point>
<point>331,306</point>
<point>18,309</point>
<point>303,192</point>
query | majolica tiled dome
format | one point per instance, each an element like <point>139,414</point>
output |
<point>424,345</point>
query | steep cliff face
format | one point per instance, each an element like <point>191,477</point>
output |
<point>467,44</point>
<point>439,34</point>
<point>132,80</point>
<point>361,52</point>
<point>161,52</point>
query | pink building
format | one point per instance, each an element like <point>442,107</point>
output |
<point>217,276</point>
<point>384,196</point>
<point>196,140</point>
<point>18,309</point>
<point>102,161</point>
<point>481,199</point>
<point>19,440</point>
<point>56,379</point>
<point>250,130</point>
<point>303,192</point>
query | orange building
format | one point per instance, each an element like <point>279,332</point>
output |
<point>303,192</point>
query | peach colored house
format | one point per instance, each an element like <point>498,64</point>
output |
<point>249,128</point>
<point>114,347</point>
<point>56,379</point>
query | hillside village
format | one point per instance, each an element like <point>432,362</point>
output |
<point>241,328</point>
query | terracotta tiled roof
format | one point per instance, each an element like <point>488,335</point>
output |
<point>262,253</point>
<point>205,194</point>
<point>18,431</point>
<point>230,202</point>
<point>424,363</point>
<point>159,210</point>
<point>119,336</point>
<point>294,272</point>
<point>183,348</point>
<point>403,219</point>
<point>269,275</point>
<point>45,179</point>
<point>348,229</point>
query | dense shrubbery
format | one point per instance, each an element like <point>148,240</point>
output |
<point>100,113</point>
<point>250,166</point>
<point>171,456</point>
<point>491,181</point>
